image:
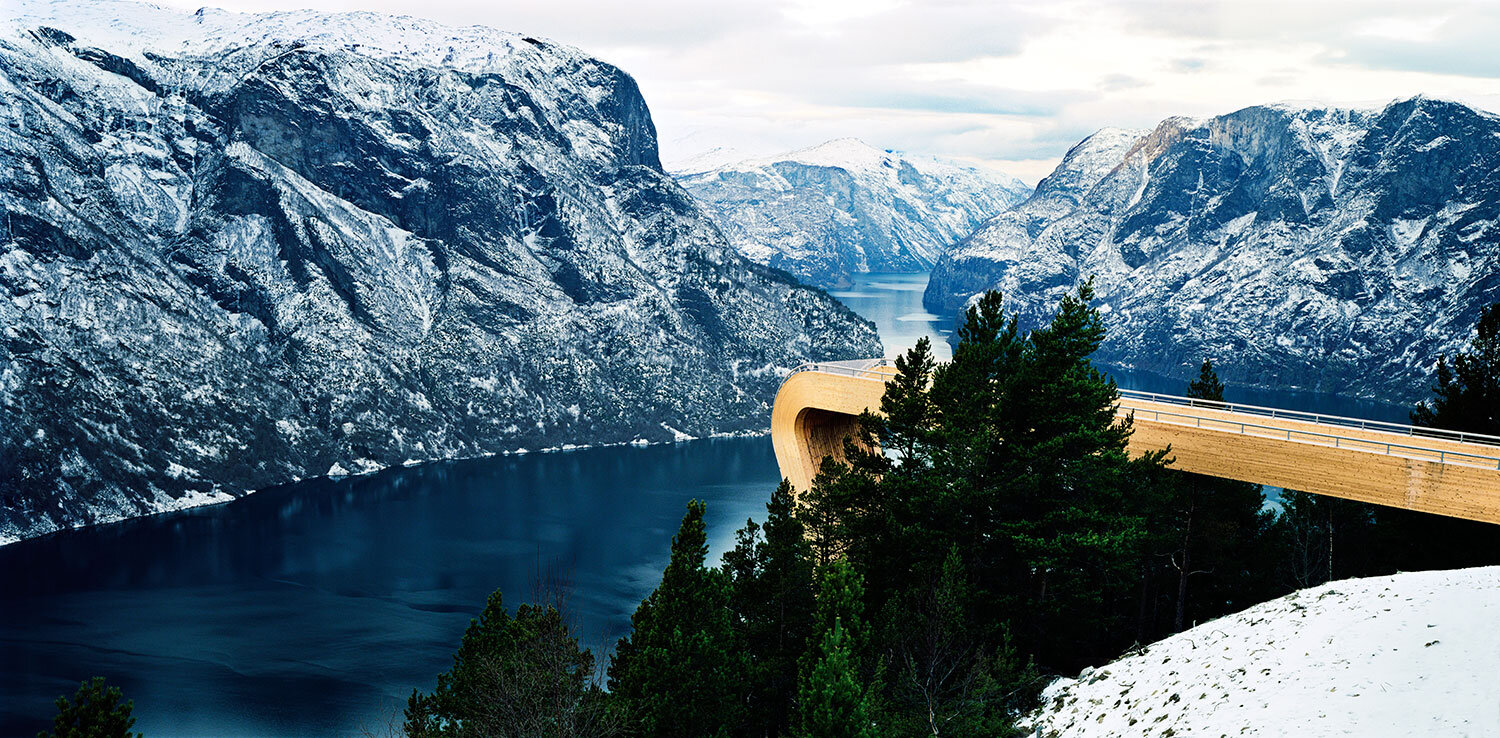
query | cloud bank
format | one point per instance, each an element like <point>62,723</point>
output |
<point>1010,85</point>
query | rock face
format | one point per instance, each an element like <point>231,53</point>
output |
<point>1334,250</point>
<point>240,250</point>
<point>844,207</point>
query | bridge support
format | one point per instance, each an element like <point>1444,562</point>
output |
<point>816,409</point>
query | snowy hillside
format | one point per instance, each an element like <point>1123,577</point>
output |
<point>1329,249</point>
<point>243,249</point>
<point>1407,655</point>
<point>843,207</point>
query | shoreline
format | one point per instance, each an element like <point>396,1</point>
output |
<point>203,501</point>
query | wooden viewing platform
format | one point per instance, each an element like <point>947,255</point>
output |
<point>1435,471</point>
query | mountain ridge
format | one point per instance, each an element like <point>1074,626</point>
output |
<point>825,212</point>
<point>1329,249</point>
<point>245,249</point>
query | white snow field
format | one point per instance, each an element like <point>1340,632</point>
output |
<point>1415,654</point>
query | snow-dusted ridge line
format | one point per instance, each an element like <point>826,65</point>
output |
<point>1339,250</point>
<point>1403,655</point>
<point>849,153</point>
<point>826,212</point>
<point>147,27</point>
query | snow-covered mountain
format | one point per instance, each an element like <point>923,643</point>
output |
<point>844,207</point>
<point>1331,249</point>
<point>1404,655</point>
<point>239,250</point>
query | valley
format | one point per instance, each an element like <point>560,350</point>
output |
<point>332,342</point>
<point>304,596</point>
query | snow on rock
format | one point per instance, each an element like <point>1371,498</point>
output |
<point>239,249</point>
<point>1404,655</point>
<point>1327,249</point>
<point>826,212</point>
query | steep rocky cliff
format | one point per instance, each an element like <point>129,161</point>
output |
<point>240,250</point>
<point>1329,249</point>
<point>845,207</point>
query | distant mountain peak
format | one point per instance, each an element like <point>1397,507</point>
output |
<point>838,152</point>
<point>848,152</point>
<point>128,26</point>
<point>1323,248</point>
<point>843,206</point>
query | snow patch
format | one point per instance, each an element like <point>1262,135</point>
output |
<point>677,435</point>
<point>1410,654</point>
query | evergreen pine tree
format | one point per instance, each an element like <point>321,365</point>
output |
<point>512,676</point>
<point>94,712</point>
<point>772,581</point>
<point>834,699</point>
<point>1467,399</point>
<point>1207,386</point>
<point>1218,531</point>
<point>1056,509</point>
<point>905,407</point>
<point>1468,388</point>
<point>681,671</point>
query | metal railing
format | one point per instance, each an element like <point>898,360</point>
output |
<point>860,369</point>
<point>870,369</point>
<point>1316,438</point>
<point>1280,414</point>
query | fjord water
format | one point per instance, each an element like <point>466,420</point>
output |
<point>893,302</point>
<point>315,608</point>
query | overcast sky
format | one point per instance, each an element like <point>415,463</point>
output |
<point>1009,84</point>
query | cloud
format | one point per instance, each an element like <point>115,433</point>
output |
<point>1117,82</point>
<point>1014,83</point>
<point>1187,65</point>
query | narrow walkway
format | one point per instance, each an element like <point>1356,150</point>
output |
<point>1442,472</point>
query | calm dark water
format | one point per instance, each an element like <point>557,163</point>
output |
<point>893,301</point>
<point>315,609</point>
